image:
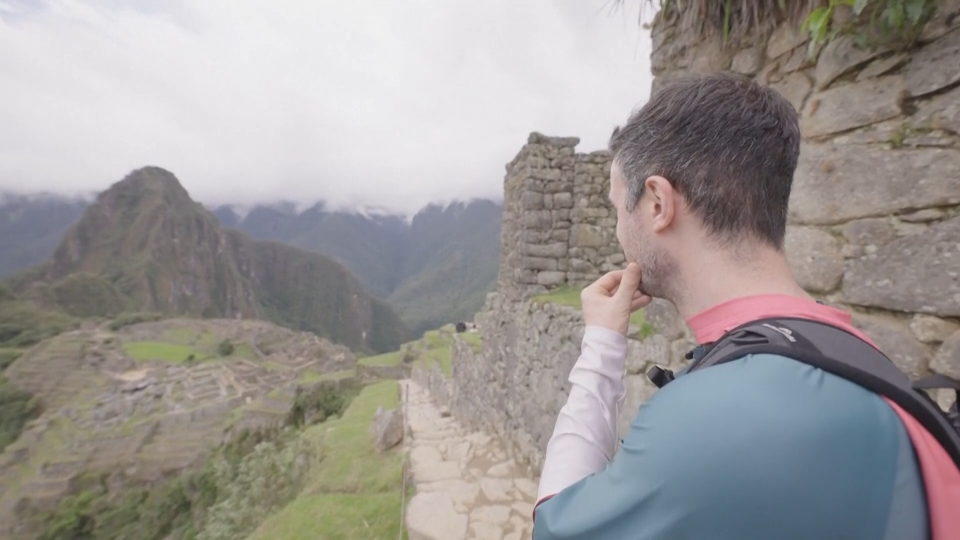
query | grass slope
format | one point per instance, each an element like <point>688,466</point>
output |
<point>354,492</point>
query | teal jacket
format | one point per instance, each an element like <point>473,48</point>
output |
<point>753,449</point>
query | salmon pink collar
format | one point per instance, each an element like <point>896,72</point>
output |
<point>712,323</point>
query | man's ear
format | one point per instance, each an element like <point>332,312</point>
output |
<point>665,202</point>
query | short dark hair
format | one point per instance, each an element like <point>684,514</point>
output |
<point>727,144</point>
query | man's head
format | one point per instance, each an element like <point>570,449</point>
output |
<point>708,162</point>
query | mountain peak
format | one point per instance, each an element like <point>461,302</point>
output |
<point>147,181</point>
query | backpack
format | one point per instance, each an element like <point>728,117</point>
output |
<point>838,352</point>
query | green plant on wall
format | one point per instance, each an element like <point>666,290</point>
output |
<point>901,18</point>
<point>741,18</point>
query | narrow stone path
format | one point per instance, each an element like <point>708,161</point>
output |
<point>467,489</point>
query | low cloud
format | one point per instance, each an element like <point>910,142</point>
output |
<point>391,104</point>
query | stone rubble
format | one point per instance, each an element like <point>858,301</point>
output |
<point>466,486</point>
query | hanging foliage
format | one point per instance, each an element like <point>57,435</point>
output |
<point>736,19</point>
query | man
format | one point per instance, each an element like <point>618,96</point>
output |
<point>760,447</point>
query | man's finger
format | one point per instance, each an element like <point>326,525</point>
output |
<point>629,282</point>
<point>607,282</point>
<point>640,302</point>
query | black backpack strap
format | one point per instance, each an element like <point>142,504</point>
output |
<point>843,354</point>
<point>938,381</point>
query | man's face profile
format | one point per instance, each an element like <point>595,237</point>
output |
<point>639,246</point>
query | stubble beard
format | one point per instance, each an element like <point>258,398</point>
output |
<point>659,270</point>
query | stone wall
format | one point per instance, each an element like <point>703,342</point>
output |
<point>558,225</point>
<point>874,220</point>
<point>874,223</point>
<point>515,386</point>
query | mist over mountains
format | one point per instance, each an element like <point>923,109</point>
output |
<point>433,268</point>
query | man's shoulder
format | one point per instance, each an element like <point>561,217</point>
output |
<point>769,434</point>
<point>763,409</point>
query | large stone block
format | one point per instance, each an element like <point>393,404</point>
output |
<point>664,318</point>
<point>930,329</point>
<point>945,19</point>
<point>947,359</point>
<point>563,200</point>
<point>581,266</point>
<point>869,231</point>
<point>387,429</point>
<point>537,219</point>
<point>784,39</point>
<point>919,274</point>
<point>531,200</point>
<point>550,278</point>
<point>552,251</point>
<point>896,342</point>
<point>852,106</point>
<point>835,184</point>
<point>839,56</point>
<point>940,112</point>
<point>794,88</point>
<point>582,235</point>
<point>539,263</point>
<point>934,66</point>
<point>815,258</point>
<point>748,61</point>
<point>883,66</point>
<point>653,350</point>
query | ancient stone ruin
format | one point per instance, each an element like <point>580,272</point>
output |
<point>138,421</point>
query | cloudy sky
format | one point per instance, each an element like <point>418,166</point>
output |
<point>380,103</point>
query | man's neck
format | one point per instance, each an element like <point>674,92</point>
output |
<point>713,277</point>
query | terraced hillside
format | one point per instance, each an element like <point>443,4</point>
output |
<point>142,403</point>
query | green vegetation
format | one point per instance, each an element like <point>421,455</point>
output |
<point>8,356</point>
<point>16,409</point>
<point>386,359</point>
<point>168,352</point>
<point>354,492</point>
<point>339,375</point>
<point>434,270</point>
<point>569,296</point>
<point>901,19</point>
<point>737,19</point>
<point>24,324</point>
<point>437,347</point>
<point>128,319</point>
<point>241,484</point>
<point>473,339</point>
<point>317,404</point>
<point>86,295</point>
<point>225,348</point>
<point>450,264</point>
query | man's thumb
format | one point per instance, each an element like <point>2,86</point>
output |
<point>629,282</point>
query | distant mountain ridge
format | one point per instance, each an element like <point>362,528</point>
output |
<point>435,268</point>
<point>31,227</point>
<point>145,245</point>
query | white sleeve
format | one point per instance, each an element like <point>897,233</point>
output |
<point>585,437</point>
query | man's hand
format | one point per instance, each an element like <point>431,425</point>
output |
<point>609,301</point>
